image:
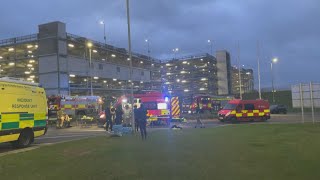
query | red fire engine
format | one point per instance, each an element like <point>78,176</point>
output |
<point>208,103</point>
<point>161,108</point>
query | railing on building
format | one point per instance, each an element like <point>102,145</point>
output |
<point>198,56</point>
<point>110,48</point>
<point>19,40</point>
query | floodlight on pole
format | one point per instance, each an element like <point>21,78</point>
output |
<point>273,61</point>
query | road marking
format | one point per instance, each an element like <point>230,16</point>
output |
<point>69,136</point>
<point>19,151</point>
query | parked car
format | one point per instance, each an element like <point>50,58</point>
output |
<point>278,109</point>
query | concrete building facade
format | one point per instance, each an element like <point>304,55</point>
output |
<point>61,63</point>
<point>247,81</point>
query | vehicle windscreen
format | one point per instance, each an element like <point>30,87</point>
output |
<point>230,106</point>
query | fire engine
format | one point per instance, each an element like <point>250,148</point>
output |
<point>208,103</point>
<point>75,105</point>
<point>160,107</point>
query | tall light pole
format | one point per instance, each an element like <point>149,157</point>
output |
<point>211,44</point>
<point>130,57</point>
<point>148,44</point>
<point>104,31</point>
<point>89,44</point>
<point>239,67</point>
<point>258,59</point>
<point>274,60</point>
<point>175,50</point>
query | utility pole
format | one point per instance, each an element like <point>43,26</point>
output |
<point>258,59</point>
<point>130,57</point>
<point>239,67</point>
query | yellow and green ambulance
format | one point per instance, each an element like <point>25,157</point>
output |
<point>23,111</point>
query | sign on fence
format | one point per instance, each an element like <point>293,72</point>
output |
<point>307,94</point>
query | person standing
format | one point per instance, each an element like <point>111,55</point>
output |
<point>136,121</point>
<point>119,113</point>
<point>142,116</point>
<point>127,116</point>
<point>113,117</point>
<point>108,118</point>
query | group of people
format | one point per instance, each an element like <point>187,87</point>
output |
<point>123,116</point>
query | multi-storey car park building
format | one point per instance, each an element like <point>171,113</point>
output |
<point>247,80</point>
<point>64,63</point>
<point>61,63</point>
<point>200,74</point>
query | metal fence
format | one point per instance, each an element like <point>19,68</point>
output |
<point>306,96</point>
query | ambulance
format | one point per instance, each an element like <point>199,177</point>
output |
<point>245,110</point>
<point>23,112</point>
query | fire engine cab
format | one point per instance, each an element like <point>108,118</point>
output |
<point>160,108</point>
<point>245,110</point>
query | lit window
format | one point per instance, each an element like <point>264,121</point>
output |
<point>104,81</point>
<point>27,72</point>
<point>32,76</point>
<point>29,65</point>
<point>168,64</point>
<point>103,59</point>
<point>141,62</point>
<point>186,90</point>
<point>29,46</point>
<point>32,61</point>
<point>183,81</point>
<point>141,82</point>
<point>113,55</point>
<point>11,64</point>
<point>30,52</point>
<point>128,59</point>
<point>1,57</point>
<point>71,45</point>
<point>184,62</point>
<point>72,75</point>
<point>114,79</point>
<point>36,46</point>
<point>11,49</point>
<point>95,77</point>
<point>94,51</point>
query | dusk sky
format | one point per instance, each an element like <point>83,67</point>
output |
<point>286,29</point>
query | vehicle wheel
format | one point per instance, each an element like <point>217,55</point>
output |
<point>234,120</point>
<point>25,139</point>
<point>264,118</point>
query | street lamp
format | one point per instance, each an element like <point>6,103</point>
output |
<point>175,50</point>
<point>89,44</point>
<point>274,60</point>
<point>211,44</point>
<point>130,57</point>
<point>147,41</point>
<point>104,31</point>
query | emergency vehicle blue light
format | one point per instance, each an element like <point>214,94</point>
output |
<point>166,99</point>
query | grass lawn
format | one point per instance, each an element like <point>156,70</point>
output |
<point>232,152</point>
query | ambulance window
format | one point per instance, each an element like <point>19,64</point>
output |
<point>249,107</point>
